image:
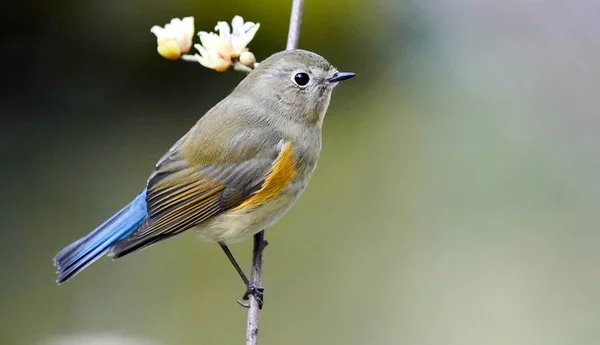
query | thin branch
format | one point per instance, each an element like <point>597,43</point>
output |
<point>259,238</point>
<point>238,66</point>
<point>256,279</point>
<point>189,58</point>
<point>295,21</point>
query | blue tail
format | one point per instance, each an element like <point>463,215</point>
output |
<point>82,253</point>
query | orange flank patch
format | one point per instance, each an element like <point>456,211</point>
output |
<point>281,174</point>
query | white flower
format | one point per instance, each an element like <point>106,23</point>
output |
<point>175,38</point>
<point>239,35</point>
<point>214,52</point>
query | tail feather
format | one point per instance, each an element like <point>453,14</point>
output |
<point>83,252</point>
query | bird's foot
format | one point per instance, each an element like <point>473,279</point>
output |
<point>252,290</point>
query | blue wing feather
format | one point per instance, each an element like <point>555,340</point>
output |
<point>83,252</point>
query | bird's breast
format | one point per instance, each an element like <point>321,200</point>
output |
<point>240,223</point>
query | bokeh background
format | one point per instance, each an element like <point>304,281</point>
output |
<point>455,202</point>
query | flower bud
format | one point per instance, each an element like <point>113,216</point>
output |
<point>248,59</point>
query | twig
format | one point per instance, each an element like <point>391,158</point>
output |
<point>256,279</point>
<point>259,238</point>
<point>189,58</point>
<point>295,21</point>
<point>238,66</point>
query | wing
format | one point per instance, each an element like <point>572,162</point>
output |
<point>181,195</point>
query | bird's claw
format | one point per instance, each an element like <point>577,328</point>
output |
<point>252,290</point>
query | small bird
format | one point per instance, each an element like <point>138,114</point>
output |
<point>237,171</point>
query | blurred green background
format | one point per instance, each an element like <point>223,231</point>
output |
<point>455,202</point>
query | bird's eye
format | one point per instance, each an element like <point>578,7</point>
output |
<point>301,79</point>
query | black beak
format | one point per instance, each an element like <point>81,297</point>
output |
<point>339,76</point>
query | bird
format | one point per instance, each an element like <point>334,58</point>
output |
<point>237,171</point>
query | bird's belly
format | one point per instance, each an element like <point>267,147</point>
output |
<point>241,223</point>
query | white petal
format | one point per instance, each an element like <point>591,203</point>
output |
<point>237,25</point>
<point>201,49</point>
<point>204,62</point>
<point>188,23</point>
<point>240,42</point>
<point>206,39</point>
<point>224,30</point>
<point>247,26</point>
<point>157,30</point>
<point>169,30</point>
